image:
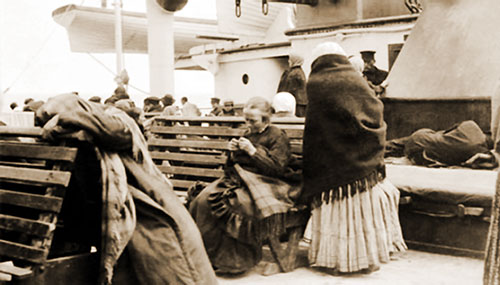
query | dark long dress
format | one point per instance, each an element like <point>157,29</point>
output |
<point>225,211</point>
<point>293,81</point>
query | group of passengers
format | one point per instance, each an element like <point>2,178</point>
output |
<point>354,208</point>
<point>354,224</point>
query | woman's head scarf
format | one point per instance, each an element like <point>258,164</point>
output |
<point>327,48</point>
<point>358,63</point>
<point>295,60</point>
<point>284,102</point>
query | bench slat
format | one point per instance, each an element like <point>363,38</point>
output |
<point>27,226</point>
<point>9,268</point>
<point>34,201</point>
<point>195,130</point>
<point>222,119</point>
<point>21,131</point>
<point>224,145</point>
<point>193,171</point>
<point>189,157</point>
<point>37,164</point>
<point>184,184</point>
<point>38,151</point>
<point>21,251</point>
<point>27,175</point>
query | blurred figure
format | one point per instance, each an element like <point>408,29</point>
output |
<point>110,101</point>
<point>95,99</point>
<point>358,64</point>
<point>372,73</point>
<point>152,104</point>
<point>33,106</point>
<point>216,107</point>
<point>13,106</point>
<point>284,105</point>
<point>168,106</point>
<point>228,109</point>
<point>293,80</point>
<point>189,109</point>
<point>121,93</point>
<point>128,106</point>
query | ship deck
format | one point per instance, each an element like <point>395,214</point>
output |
<point>411,267</point>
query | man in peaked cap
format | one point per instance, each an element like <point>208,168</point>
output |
<point>372,73</point>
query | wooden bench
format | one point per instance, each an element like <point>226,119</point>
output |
<point>34,176</point>
<point>195,149</point>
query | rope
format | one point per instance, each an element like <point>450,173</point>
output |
<point>113,73</point>
<point>37,53</point>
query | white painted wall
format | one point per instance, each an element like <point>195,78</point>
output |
<point>264,75</point>
<point>353,42</point>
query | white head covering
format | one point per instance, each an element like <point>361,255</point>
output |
<point>358,63</point>
<point>295,59</point>
<point>327,48</point>
<point>284,102</point>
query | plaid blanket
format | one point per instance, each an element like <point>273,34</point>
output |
<point>270,195</point>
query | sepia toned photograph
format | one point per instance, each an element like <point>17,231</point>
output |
<point>249,142</point>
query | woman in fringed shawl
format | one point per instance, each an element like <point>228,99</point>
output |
<point>144,224</point>
<point>354,217</point>
<point>237,212</point>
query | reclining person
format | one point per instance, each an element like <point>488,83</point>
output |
<point>446,147</point>
<point>237,212</point>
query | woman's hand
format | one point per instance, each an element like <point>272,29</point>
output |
<point>233,145</point>
<point>247,146</point>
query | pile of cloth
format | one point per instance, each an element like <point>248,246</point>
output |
<point>141,214</point>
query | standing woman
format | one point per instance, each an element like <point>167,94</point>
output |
<point>354,218</point>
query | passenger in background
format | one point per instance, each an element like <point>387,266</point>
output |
<point>152,104</point>
<point>168,106</point>
<point>216,107</point>
<point>373,74</point>
<point>110,101</point>
<point>453,146</point>
<point>13,106</point>
<point>293,81</point>
<point>189,109</point>
<point>354,208</point>
<point>27,101</point>
<point>359,65</point>
<point>284,105</point>
<point>228,109</point>
<point>32,106</point>
<point>121,93</point>
<point>95,99</point>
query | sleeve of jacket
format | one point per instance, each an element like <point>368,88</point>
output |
<point>273,161</point>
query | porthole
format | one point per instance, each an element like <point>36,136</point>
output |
<point>245,79</point>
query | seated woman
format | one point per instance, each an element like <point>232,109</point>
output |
<point>237,212</point>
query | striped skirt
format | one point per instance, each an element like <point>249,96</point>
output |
<point>356,230</point>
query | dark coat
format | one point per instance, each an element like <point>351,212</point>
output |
<point>344,134</point>
<point>293,81</point>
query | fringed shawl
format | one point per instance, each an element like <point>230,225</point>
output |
<point>344,133</point>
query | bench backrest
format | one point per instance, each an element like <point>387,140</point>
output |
<point>33,178</point>
<point>196,148</point>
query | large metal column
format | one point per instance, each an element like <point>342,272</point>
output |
<point>160,49</point>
